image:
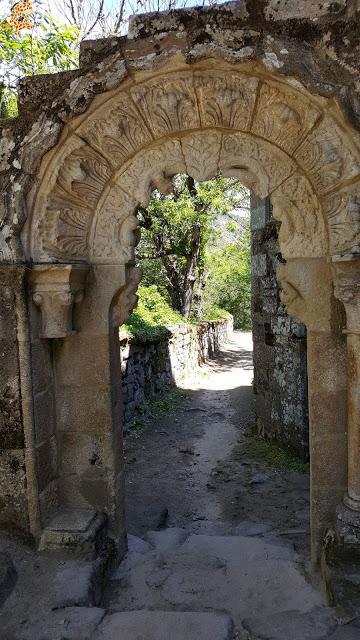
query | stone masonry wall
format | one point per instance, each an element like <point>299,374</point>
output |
<point>280,376</point>
<point>150,364</point>
<point>13,486</point>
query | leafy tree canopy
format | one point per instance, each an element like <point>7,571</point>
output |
<point>189,237</point>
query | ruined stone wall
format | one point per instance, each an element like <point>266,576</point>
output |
<point>148,365</point>
<point>13,495</point>
<point>280,377</point>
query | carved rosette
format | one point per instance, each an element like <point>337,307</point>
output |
<point>55,289</point>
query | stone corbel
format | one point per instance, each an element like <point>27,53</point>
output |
<point>55,289</point>
<point>307,292</point>
<point>127,299</point>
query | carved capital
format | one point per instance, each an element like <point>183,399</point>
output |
<point>307,292</point>
<point>346,271</point>
<point>55,289</point>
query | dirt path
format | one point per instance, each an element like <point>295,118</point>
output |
<point>198,466</point>
<point>219,539</point>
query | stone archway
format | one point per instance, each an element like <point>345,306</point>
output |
<point>200,117</point>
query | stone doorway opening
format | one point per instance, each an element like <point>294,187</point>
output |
<point>69,272</point>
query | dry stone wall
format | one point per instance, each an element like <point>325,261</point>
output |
<point>148,365</point>
<point>280,375</point>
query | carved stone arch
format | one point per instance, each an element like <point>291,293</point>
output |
<point>276,138</point>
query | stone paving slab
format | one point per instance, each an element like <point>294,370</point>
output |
<point>348,632</point>
<point>165,625</point>
<point>71,623</point>
<point>249,578</point>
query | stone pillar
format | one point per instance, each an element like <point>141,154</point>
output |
<point>308,293</point>
<point>347,280</point>
<point>87,383</point>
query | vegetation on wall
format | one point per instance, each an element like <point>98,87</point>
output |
<point>153,315</point>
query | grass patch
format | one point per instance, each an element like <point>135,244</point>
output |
<point>151,409</point>
<point>275,455</point>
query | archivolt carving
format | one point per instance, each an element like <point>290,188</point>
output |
<point>62,231</point>
<point>201,151</point>
<point>327,156</point>
<point>82,177</point>
<point>168,103</point>
<point>342,210</point>
<point>260,166</point>
<point>113,235</point>
<point>302,231</point>
<point>283,116</point>
<point>118,131</point>
<point>78,215</point>
<point>153,167</point>
<point>225,100</point>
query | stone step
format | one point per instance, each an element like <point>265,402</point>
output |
<point>163,625</point>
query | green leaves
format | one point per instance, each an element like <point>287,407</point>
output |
<point>47,48</point>
<point>196,247</point>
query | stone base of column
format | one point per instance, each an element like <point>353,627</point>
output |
<point>340,563</point>
<point>348,528</point>
<point>78,532</point>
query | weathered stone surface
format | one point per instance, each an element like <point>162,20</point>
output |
<point>8,577</point>
<point>280,376</point>
<point>247,577</point>
<point>314,625</point>
<point>68,623</point>
<point>168,539</point>
<point>162,625</point>
<point>138,545</point>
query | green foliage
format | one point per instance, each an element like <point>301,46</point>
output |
<point>48,47</point>
<point>229,280</point>
<point>8,103</point>
<point>177,231</point>
<point>215,313</point>
<point>153,314</point>
<point>275,455</point>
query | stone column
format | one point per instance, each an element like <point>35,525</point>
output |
<point>308,293</point>
<point>87,381</point>
<point>347,280</point>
